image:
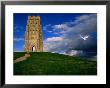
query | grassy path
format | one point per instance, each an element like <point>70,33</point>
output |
<point>22,58</point>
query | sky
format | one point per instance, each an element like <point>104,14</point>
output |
<point>73,34</point>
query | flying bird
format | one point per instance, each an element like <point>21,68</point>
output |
<point>85,37</point>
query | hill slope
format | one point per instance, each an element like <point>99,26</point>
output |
<point>53,64</point>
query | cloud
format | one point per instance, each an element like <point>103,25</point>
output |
<point>47,27</point>
<point>18,39</point>
<point>70,41</point>
<point>59,26</point>
<point>83,25</point>
<point>17,28</point>
<point>82,18</point>
<point>50,31</point>
<point>54,39</point>
<point>51,44</point>
<point>74,52</point>
<point>55,29</point>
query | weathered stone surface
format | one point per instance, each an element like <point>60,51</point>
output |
<point>33,35</point>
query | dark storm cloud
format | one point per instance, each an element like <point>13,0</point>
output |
<point>71,40</point>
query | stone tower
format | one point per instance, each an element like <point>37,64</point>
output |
<point>33,35</point>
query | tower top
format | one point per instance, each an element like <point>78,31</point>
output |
<point>33,17</point>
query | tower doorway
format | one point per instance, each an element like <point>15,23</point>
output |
<point>33,49</point>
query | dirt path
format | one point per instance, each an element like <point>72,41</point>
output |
<point>22,58</point>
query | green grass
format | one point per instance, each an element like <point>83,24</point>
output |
<point>54,64</point>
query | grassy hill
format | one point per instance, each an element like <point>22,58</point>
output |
<point>46,63</point>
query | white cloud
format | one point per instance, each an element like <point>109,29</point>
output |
<point>55,29</point>
<point>18,39</point>
<point>59,26</point>
<point>46,27</point>
<point>50,31</point>
<point>54,39</point>
<point>51,44</point>
<point>17,28</point>
<point>74,52</point>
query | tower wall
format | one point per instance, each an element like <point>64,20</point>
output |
<point>33,35</point>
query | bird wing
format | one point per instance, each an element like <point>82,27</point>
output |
<point>81,36</point>
<point>86,36</point>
